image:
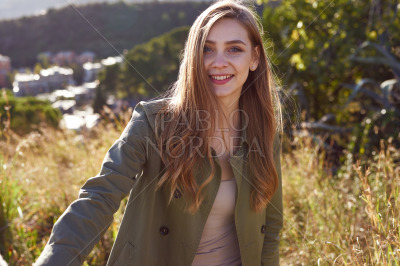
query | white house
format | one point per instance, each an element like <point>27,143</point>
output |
<point>54,78</point>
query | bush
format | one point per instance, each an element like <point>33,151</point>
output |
<point>27,113</point>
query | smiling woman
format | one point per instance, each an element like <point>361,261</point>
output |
<point>201,164</point>
<point>228,56</point>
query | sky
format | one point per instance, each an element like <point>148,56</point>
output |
<point>10,9</point>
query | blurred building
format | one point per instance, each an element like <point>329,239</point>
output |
<point>54,78</point>
<point>28,84</point>
<point>85,93</point>
<point>63,58</point>
<point>111,60</point>
<point>57,77</point>
<point>72,96</point>
<point>91,70</point>
<point>5,68</point>
<point>85,57</point>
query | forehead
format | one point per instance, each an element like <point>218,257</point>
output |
<point>227,29</point>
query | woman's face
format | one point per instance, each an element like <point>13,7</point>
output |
<point>228,57</point>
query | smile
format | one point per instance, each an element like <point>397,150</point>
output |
<point>221,77</point>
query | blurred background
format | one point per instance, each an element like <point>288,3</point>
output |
<point>71,71</point>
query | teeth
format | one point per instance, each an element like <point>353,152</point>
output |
<point>221,77</point>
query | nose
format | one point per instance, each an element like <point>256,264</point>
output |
<point>219,61</point>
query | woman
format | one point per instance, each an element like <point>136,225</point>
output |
<point>201,165</point>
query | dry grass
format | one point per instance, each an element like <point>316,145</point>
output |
<point>40,175</point>
<point>351,218</point>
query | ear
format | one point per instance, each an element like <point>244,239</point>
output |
<point>256,58</point>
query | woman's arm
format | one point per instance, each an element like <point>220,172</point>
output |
<point>83,223</point>
<point>274,216</point>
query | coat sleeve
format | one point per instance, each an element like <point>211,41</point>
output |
<point>274,217</point>
<point>83,223</point>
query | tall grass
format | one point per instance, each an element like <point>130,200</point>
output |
<point>350,218</point>
<point>40,175</point>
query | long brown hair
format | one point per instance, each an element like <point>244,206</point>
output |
<point>191,93</point>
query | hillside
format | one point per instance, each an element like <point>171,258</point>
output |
<point>157,61</point>
<point>68,28</point>
<point>11,9</point>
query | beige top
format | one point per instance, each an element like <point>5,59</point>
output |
<point>219,244</point>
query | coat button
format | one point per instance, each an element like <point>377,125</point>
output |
<point>164,230</point>
<point>177,194</point>
<point>263,229</point>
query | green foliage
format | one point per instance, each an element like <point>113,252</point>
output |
<point>78,73</point>
<point>150,68</point>
<point>318,45</point>
<point>99,100</point>
<point>5,217</point>
<point>312,42</point>
<point>28,113</point>
<point>375,111</point>
<point>108,81</point>
<point>108,77</point>
<point>123,25</point>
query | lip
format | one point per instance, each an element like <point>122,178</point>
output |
<point>221,82</point>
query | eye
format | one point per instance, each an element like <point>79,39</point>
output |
<point>207,49</point>
<point>235,49</point>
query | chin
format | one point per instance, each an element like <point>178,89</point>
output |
<point>222,94</point>
<point>227,97</point>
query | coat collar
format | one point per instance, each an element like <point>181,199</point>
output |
<point>154,106</point>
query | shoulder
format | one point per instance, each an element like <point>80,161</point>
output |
<point>152,107</point>
<point>145,112</point>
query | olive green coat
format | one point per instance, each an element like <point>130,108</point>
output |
<point>152,232</point>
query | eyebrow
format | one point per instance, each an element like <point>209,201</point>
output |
<point>229,42</point>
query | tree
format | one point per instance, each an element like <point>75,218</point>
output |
<point>153,66</point>
<point>312,44</point>
<point>99,100</point>
<point>313,40</point>
<point>108,77</point>
<point>78,73</point>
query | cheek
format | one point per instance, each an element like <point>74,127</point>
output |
<point>244,74</point>
<point>244,77</point>
<point>244,70</point>
<point>242,64</point>
<point>206,62</point>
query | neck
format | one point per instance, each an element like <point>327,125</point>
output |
<point>226,137</point>
<point>229,120</point>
